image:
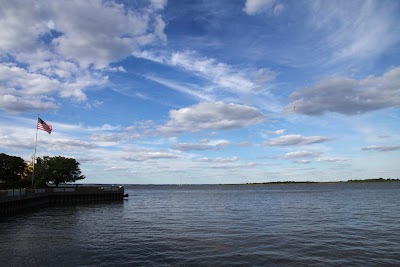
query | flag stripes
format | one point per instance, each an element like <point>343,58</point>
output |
<point>42,125</point>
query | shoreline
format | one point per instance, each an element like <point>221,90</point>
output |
<point>373,180</point>
<point>377,180</point>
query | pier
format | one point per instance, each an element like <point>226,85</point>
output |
<point>13,201</point>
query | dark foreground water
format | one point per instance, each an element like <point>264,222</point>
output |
<point>275,225</point>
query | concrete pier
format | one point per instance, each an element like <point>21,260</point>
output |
<point>14,201</point>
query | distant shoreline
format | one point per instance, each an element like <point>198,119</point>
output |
<point>374,180</point>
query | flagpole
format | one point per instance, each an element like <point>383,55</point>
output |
<point>34,155</point>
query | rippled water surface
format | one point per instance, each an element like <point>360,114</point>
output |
<point>274,225</point>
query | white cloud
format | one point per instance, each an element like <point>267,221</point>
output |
<point>278,9</point>
<point>104,127</point>
<point>381,148</point>
<point>107,33</point>
<point>158,57</point>
<point>348,96</point>
<point>277,132</point>
<point>21,133</point>
<point>295,140</point>
<point>144,155</point>
<point>236,166</point>
<point>254,7</point>
<point>205,145</point>
<point>20,34</point>
<point>21,137</point>
<point>264,75</point>
<point>17,80</point>
<point>107,138</point>
<point>158,4</point>
<point>116,168</point>
<point>217,160</point>
<point>25,90</point>
<point>159,26</point>
<point>62,46</point>
<point>302,161</point>
<point>211,116</point>
<point>88,32</point>
<point>65,144</point>
<point>14,103</point>
<point>331,159</point>
<point>304,157</point>
<point>301,154</point>
<point>245,144</point>
<point>14,141</point>
<point>115,69</point>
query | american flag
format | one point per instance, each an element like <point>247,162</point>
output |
<point>42,125</point>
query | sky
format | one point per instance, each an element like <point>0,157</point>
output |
<point>204,92</point>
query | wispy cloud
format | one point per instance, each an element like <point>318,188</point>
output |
<point>217,160</point>
<point>277,132</point>
<point>254,7</point>
<point>302,161</point>
<point>144,155</point>
<point>331,159</point>
<point>219,81</point>
<point>295,140</point>
<point>221,75</point>
<point>301,154</point>
<point>356,29</point>
<point>207,145</point>
<point>188,89</point>
<point>381,148</point>
<point>235,166</point>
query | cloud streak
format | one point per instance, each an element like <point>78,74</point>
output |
<point>355,29</point>
<point>295,140</point>
<point>207,145</point>
<point>301,154</point>
<point>381,148</point>
<point>255,7</point>
<point>221,75</point>
<point>217,160</point>
<point>187,89</point>
<point>145,155</point>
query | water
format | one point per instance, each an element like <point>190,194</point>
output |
<point>274,225</point>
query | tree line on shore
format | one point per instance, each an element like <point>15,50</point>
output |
<point>16,173</point>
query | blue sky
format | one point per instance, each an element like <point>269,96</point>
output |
<point>157,92</point>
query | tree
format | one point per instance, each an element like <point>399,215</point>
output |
<point>12,171</point>
<point>57,170</point>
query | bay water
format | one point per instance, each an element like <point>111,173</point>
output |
<point>339,224</point>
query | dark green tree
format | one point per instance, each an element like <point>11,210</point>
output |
<point>57,170</point>
<point>12,171</point>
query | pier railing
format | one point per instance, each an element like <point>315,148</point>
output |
<point>22,199</point>
<point>22,193</point>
